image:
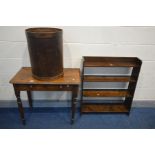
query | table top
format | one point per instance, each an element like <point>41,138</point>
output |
<point>24,76</point>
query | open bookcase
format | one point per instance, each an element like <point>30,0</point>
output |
<point>123,106</point>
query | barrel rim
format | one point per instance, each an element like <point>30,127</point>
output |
<point>61,74</point>
<point>47,30</point>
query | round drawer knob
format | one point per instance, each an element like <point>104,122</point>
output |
<point>98,94</point>
<point>60,86</point>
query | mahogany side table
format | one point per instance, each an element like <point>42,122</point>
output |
<point>23,81</point>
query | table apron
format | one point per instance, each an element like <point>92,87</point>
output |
<point>26,87</point>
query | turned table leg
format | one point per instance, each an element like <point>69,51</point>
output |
<point>30,99</point>
<point>74,102</point>
<point>20,106</point>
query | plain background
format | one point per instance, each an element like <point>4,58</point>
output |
<point>79,13</point>
<point>128,41</point>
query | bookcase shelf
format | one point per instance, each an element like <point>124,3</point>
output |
<point>100,108</point>
<point>128,94</point>
<point>99,78</point>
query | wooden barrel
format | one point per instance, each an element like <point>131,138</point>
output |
<point>46,52</point>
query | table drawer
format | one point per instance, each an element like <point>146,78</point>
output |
<point>34,87</point>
